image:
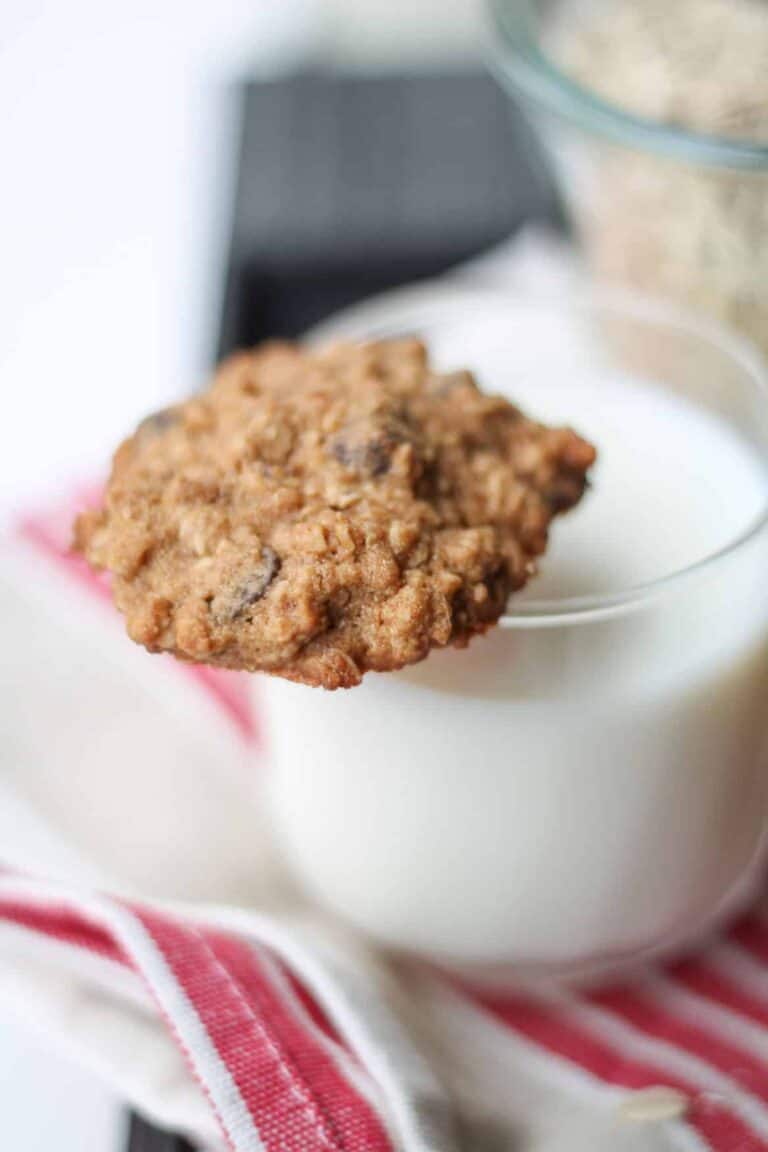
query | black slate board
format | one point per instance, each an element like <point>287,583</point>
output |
<point>350,184</point>
<point>143,1137</point>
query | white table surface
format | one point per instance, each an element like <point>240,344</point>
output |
<point>49,1104</point>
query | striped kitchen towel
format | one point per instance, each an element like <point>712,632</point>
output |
<point>276,1034</point>
<point>262,1036</point>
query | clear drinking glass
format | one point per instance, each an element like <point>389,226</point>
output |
<point>586,783</point>
<point>671,212</point>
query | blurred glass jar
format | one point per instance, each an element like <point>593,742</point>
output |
<point>669,210</point>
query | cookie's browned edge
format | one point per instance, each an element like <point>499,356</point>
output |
<point>320,515</point>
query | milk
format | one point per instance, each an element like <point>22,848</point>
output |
<point>672,485</point>
<point>575,789</point>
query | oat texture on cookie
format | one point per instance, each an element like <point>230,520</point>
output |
<point>321,514</point>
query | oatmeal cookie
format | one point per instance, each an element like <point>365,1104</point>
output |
<point>318,514</point>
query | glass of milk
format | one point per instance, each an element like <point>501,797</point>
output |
<point>588,783</point>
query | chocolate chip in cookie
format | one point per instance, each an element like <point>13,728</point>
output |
<point>158,422</point>
<point>233,602</point>
<point>367,445</point>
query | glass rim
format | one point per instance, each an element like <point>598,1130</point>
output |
<point>521,66</point>
<point>426,303</point>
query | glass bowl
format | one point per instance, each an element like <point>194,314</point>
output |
<point>587,783</point>
<point>671,212</point>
